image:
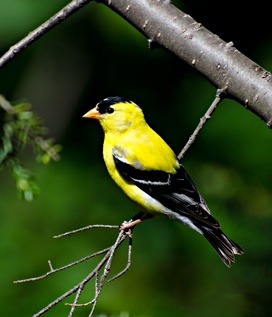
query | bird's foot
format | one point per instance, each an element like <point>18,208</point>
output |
<point>127,226</point>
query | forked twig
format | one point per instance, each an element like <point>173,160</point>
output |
<point>128,262</point>
<point>203,120</point>
<point>32,279</point>
<point>99,279</point>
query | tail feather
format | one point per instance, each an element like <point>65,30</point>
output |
<point>225,247</point>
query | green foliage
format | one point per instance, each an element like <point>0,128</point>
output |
<point>19,126</point>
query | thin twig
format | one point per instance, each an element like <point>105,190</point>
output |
<point>99,282</point>
<point>50,266</point>
<point>128,262</point>
<point>73,306</point>
<point>6,105</point>
<point>85,228</point>
<point>32,279</point>
<point>96,291</point>
<point>63,14</point>
<point>203,120</point>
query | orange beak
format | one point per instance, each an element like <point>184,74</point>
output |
<point>92,114</point>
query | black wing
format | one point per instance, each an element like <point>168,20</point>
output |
<point>175,191</point>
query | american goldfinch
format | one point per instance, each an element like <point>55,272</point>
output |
<point>148,172</point>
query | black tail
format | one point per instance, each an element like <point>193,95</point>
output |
<point>224,246</point>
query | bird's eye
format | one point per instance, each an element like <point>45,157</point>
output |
<point>110,110</point>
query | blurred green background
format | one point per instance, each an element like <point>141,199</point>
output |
<point>175,272</point>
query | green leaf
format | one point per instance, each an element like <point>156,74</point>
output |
<point>19,127</point>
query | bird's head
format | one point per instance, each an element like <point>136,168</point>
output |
<point>116,114</point>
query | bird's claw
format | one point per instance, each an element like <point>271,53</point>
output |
<point>126,226</point>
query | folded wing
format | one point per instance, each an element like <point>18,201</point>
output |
<point>175,191</point>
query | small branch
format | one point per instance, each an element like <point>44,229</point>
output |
<point>85,228</point>
<point>63,14</point>
<point>6,105</point>
<point>32,279</point>
<point>50,266</point>
<point>75,302</point>
<point>106,262</point>
<point>128,262</point>
<point>202,122</point>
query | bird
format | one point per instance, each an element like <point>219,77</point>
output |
<point>147,170</point>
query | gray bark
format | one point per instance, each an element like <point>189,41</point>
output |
<point>220,62</point>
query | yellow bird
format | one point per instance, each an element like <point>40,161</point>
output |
<point>148,172</point>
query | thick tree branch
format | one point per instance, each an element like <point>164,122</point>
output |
<point>221,63</point>
<point>162,23</point>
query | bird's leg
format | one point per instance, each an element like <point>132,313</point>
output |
<point>139,217</point>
